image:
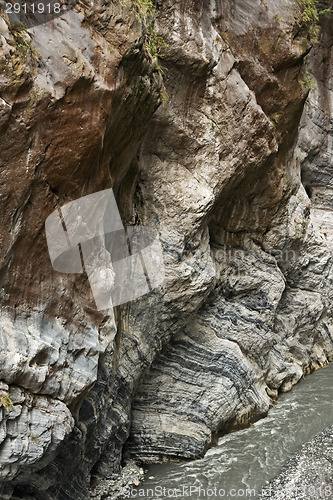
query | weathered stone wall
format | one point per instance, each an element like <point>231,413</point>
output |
<point>268,319</point>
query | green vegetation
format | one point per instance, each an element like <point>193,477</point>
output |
<point>141,8</point>
<point>274,118</point>
<point>301,229</point>
<point>310,18</point>
<point>154,44</point>
<point>22,40</point>
<point>310,13</point>
<point>145,12</point>
<point>326,12</point>
<point>308,81</point>
<point>5,401</point>
<point>24,55</point>
<point>34,437</point>
<point>305,225</point>
<point>164,95</point>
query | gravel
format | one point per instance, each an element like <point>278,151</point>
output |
<point>112,489</point>
<point>308,475</point>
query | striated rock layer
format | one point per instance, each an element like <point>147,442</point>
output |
<point>268,319</point>
<point>233,170</point>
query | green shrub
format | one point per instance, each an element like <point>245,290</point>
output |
<point>155,44</point>
<point>310,18</point>
<point>308,80</point>
<point>143,8</point>
<point>145,12</point>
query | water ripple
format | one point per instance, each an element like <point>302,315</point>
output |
<point>249,458</point>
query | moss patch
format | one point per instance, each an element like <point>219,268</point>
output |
<point>24,55</point>
<point>22,41</point>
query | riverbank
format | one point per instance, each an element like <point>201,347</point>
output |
<point>308,475</point>
<point>130,477</point>
<point>252,457</point>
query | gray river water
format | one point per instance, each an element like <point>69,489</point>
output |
<point>244,461</point>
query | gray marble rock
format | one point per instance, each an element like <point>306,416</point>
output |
<point>268,320</point>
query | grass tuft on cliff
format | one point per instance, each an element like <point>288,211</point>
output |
<point>143,8</point>
<point>145,12</point>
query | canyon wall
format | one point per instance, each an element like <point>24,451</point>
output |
<point>223,146</point>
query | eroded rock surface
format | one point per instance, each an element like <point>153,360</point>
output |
<point>234,172</point>
<point>268,320</point>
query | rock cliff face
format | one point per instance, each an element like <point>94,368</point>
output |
<point>233,170</point>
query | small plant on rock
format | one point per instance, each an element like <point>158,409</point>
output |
<point>326,12</point>
<point>308,80</point>
<point>5,401</point>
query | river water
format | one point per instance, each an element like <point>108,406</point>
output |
<point>244,461</point>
